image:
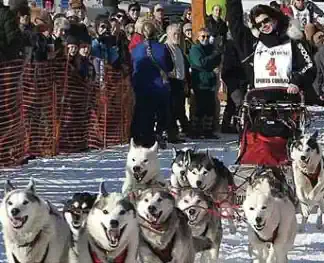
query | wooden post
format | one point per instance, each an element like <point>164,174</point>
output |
<point>198,16</point>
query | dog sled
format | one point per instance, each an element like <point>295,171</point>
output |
<point>270,119</point>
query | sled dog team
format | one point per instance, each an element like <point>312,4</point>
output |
<point>154,221</point>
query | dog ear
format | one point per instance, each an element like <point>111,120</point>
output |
<point>155,147</point>
<point>132,143</point>
<point>8,187</point>
<point>102,189</point>
<point>31,185</point>
<point>315,134</point>
<point>174,152</point>
<point>187,158</point>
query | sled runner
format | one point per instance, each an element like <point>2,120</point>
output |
<point>270,119</point>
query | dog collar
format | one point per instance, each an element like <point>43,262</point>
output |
<point>272,239</point>
<point>121,258</point>
<point>42,261</point>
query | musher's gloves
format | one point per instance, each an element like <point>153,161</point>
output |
<point>292,89</point>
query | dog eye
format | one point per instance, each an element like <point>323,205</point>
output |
<point>105,212</point>
<point>9,203</point>
<point>146,200</point>
<point>186,201</point>
<point>122,212</point>
<point>198,201</point>
<point>146,160</point>
<point>133,160</point>
<point>25,202</point>
<point>205,172</point>
<point>251,208</point>
<point>263,207</point>
<point>159,200</point>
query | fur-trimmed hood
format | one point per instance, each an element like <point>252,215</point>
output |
<point>292,31</point>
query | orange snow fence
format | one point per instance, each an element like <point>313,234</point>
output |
<point>46,109</point>
<point>38,110</point>
<point>111,110</point>
<point>11,125</point>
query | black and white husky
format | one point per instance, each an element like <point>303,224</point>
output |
<point>165,234</point>
<point>179,169</point>
<point>308,172</point>
<point>211,176</point>
<point>33,230</point>
<point>75,212</point>
<point>111,233</point>
<point>203,221</point>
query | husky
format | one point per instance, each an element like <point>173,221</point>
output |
<point>211,176</point>
<point>203,222</point>
<point>308,173</point>
<point>142,169</point>
<point>165,234</point>
<point>179,169</point>
<point>75,212</point>
<point>270,214</point>
<point>111,233</point>
<point>33,230</point>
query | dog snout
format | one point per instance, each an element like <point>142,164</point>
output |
<point>114,223</point>
<point>136,169</point>
<point>152,209</point>
<point>15,211</point>
<point>199,183</point>
<point>192,211</point>
<point>303,157</point>
<point>182,173</point>
<point>258,220</point>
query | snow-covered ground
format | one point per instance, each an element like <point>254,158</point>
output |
<point>59,177</point>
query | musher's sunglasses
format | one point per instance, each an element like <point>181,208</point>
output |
<point>264,21</point>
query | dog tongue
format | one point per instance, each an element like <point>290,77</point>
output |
<point>114,235</point>
<point>17,221</point>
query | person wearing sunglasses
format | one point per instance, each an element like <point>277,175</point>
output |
<point>134,10</point>
<point>305,12</point>
<point>271,50</point>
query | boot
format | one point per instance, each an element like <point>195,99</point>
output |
<point>195,131</point>
<point>208,128</point>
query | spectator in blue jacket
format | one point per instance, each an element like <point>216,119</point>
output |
<point>151,64</point>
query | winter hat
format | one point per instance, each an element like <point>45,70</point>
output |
<point>187,26</point>
<point>76,4</point>
<point>134,5</point>
<point>16,4</point>
<point>72,35</point>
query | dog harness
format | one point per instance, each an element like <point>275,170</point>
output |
<point>272,239</point>
<point>313,177</point>
<point>119,259</point>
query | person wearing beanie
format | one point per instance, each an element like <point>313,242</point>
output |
<point>72,41</point>
<point>85,67</point>
<point>11,44</point>
<point>134,11</point>
<point>152,62</point>
<point>272,49</point>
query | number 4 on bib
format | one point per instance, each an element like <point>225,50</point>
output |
<point>271,67</point>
